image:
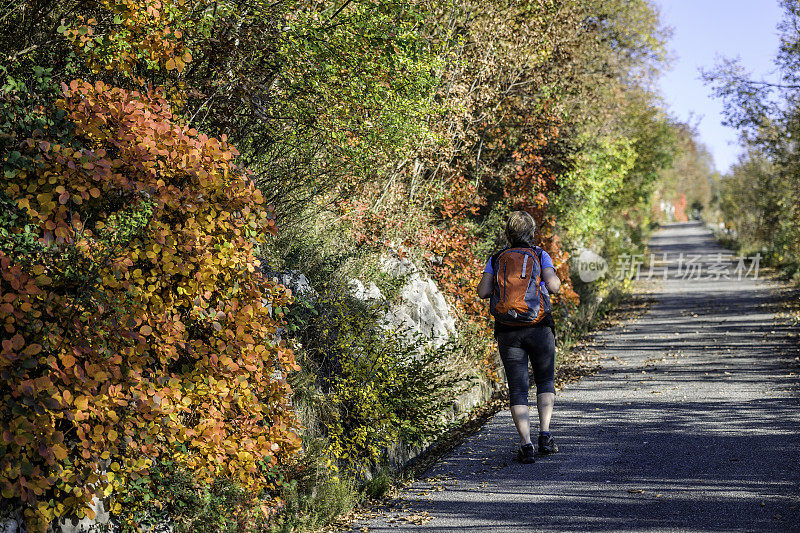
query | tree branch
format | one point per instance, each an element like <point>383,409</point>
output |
<point>768,84</point>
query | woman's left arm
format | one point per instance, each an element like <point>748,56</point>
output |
<point>551,280</point>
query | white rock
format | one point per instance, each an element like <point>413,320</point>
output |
<point>372,292</point>
<point>369,293</point>
<point>422,307</point>
<point>421,311</point>
<point>395,266</point>
<point>10,525</point>
<point>87,524</point>
<point>298,283</point>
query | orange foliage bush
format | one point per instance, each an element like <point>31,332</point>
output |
<point>446,235</point>
<point>150,33</point>
<point>460,269</point>
<point>680,204</point>
<point>141,327</point>
<point>450,245</point>
<point>527,190</point>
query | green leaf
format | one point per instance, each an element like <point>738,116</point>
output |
<point>26,468</point>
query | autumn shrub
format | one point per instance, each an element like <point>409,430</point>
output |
<point>134,33</point>
<point>362,390</point>
<point>135,328</point>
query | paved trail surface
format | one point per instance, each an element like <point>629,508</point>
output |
<point>693,424</point>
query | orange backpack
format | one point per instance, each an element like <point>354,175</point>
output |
<point>517,299</point>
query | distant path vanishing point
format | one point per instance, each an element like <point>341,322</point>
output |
<point>693,424</point>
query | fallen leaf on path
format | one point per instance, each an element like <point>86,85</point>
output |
<point>418,519</point>
<point>635,491</point>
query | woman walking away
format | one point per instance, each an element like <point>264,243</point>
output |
<point>519,279</point>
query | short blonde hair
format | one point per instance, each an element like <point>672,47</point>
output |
<point>520,229</point>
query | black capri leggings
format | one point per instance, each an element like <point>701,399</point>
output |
<point>536,343</point>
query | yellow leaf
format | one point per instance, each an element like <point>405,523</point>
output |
<point>81,403</point>
<point>60,452</point>
<point>45,511</point>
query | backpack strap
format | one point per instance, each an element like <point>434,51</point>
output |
<point>538,251</point>
<point>549,320</point>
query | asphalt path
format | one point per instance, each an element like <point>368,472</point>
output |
<point>692,424</point>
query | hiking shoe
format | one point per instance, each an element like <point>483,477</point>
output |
<point>525,454</point>
<point>547,445</point>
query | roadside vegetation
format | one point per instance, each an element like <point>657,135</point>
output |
<point>165,161</point>
<point>758,201</point>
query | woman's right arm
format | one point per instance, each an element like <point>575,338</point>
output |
<point>485,286</point>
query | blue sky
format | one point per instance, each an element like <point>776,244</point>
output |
<point>702,31</point>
